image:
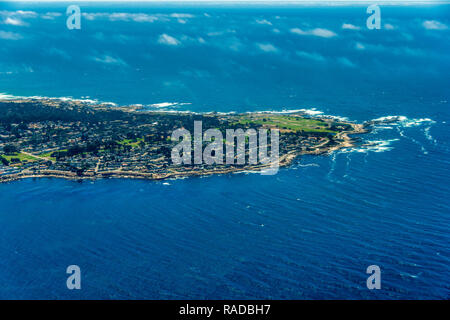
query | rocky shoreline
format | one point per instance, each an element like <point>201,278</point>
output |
<point>77,141</point>
<point>284,161</point>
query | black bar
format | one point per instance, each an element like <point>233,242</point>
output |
<point>228,309</point>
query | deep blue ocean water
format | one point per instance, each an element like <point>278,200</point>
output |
<point>308,232</point>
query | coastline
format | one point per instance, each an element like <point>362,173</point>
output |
<point>284,161</point>
<point>313,132</point>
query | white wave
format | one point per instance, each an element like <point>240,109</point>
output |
<point>418,122</point>
<point>221,113</point>
<point>403,135</point>
<point>309,165</point>
<point>313,112</point>
<point>177,178</point>
<point>332,168</point>
<point>320,114</point>
<point>428,135</point>
<point>379,127</point>
<point>246,172</point>
<point>372,146</point>
<point>378,146</point>
<point>390,118</point>
<point>87,100</point>
<point>398,122</point>
<point>5,96</point>
<point>167,104</point>
<point>337,118</point>
<point>347,165</point>
<point>174,111</point>
<point>402,121</point>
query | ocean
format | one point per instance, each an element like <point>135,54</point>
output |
<point>308,232</point>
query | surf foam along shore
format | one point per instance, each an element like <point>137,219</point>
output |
<point>159,106</point>
<point>312,112</point>
<point>85,100</point>
<point>401,121</point>
<point>401,125</point>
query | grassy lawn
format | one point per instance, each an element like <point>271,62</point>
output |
<point>21,156</point>
<point>286,122</point>
<point>129,142</point>
<point>48,154</point>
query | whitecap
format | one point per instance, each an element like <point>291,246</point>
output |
<point>5,96</point>
<point>403,135</point>
<point>428,135</point>
<point>372,146</point>
<point>163,104</point>
<point>402,121</point>
<point>309,165</point>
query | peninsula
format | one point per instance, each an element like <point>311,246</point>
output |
<point>44,137</point>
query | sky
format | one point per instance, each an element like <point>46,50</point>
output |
<point>258,1</point>
<point>215,57</point>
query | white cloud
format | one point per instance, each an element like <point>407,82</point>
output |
<point>318,32</point>
<point>325,33</point>
<point>346,62</point>
<point>182,15</point>
<point>5,35</point>
<point>14,22</point>
<point>234,44</point>
<point>16,18</point>
<point>388,26</point>
<point>138,17</point>
<point>298,31</point>
<point>397,50</point>
<point>89,16</point>
<point>434,25</point>
<point>141,17</point>
<point>311,56</point>
<point>58,53</point>
<point>20,13</point>
<point>51,15</point>
<point>267,47</point>
<point>220,33</point>
<point>350,26</point>
<point>122,16</point>
<point>26,14</point>
<point>168,40</point>
<point>228,43</point>
<point>110,60</point>
<point>263,21</point>
<point>360,46</point>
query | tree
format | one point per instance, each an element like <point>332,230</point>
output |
<point>4,161</point>
<point>9,149</point>
<point>23,126</point>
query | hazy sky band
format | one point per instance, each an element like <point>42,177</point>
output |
<point>331,2</point>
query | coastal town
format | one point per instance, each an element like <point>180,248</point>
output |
<point>43,137</point>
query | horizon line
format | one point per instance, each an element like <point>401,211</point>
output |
<point>271,2</point>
